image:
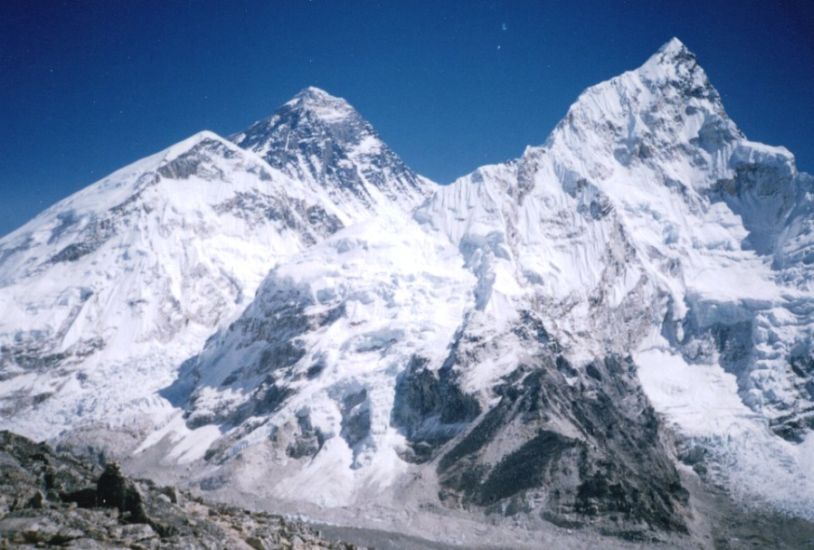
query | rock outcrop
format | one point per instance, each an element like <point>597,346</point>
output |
<point>54,499</point>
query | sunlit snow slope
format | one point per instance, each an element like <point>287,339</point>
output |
<point>104,294</point>
<point>647,239</point>
<point>515,342</point>
<point>107,291</point>
<point>648,224</point>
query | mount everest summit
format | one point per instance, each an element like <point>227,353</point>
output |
<point>601,333</point>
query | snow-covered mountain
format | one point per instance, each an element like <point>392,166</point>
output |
<point>581,336</point>
<point>108,291</point>
<point>648,225</point>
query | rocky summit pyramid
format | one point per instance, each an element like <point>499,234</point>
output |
<point>612,332</point>
<point>322,142</point>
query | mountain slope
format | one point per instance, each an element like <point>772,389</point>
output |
<point>648,224</point>
<point>121,281</point>
<point>647,252</point>
<point>128,277</point>
<point>592,335</point>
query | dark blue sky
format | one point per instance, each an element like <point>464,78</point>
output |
<point>86,87</point>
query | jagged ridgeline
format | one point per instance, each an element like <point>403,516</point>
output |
<point>609,333</point>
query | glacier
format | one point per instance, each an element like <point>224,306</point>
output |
<point>598,334</point>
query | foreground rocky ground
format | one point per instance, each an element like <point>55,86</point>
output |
<point>53,499</point>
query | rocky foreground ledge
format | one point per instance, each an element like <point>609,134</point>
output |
<point>54,499</point>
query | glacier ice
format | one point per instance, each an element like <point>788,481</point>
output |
<point>299,315</point>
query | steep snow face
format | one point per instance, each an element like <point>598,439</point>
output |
<point>550,241</point>
<point>321,141</point>
<point>366,363</point>
<point>648,222</point>
<point>646,233</point>
<point>309,370</point>
<point>123,281</point>
<point>730,217</point>
<point>492,345</point>
<point>389,354</point>
<point>106,292</point>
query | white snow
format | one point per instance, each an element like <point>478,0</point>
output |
<point>701,402</point>
<point>645,224</point>
<point>165,270</point>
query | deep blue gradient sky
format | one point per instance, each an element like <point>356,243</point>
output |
<point>86,87</point>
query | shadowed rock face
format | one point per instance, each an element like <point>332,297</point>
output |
<point>312,221</point>
<point>310,439</point>
<point>576,446</point>
<point>355,409</point>
<point>52,499</point>
<point>582,453</point>
<point>113,490</point>
<point>320,138</point>
<point>430,409</point>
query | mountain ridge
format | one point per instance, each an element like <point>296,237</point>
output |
<point>134,218</point>
<point>562,338</point>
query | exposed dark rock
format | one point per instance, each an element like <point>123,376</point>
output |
<point>310,439</point>
<point>53,499</point>
<point>194,161</point>
<point>73,252</point>
<point>310,222</point>
<point>114,490</point>
<point>272,398</point>
<point>90,238</point>
<point>280,332</point>
<point>315,370</point>
<point>298,141</point>
<point>84,498</point>
<point>430,408</point>
<point>355,418</point>
<point>578,454</point>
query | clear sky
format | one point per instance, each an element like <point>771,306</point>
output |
<point>86,87</point>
